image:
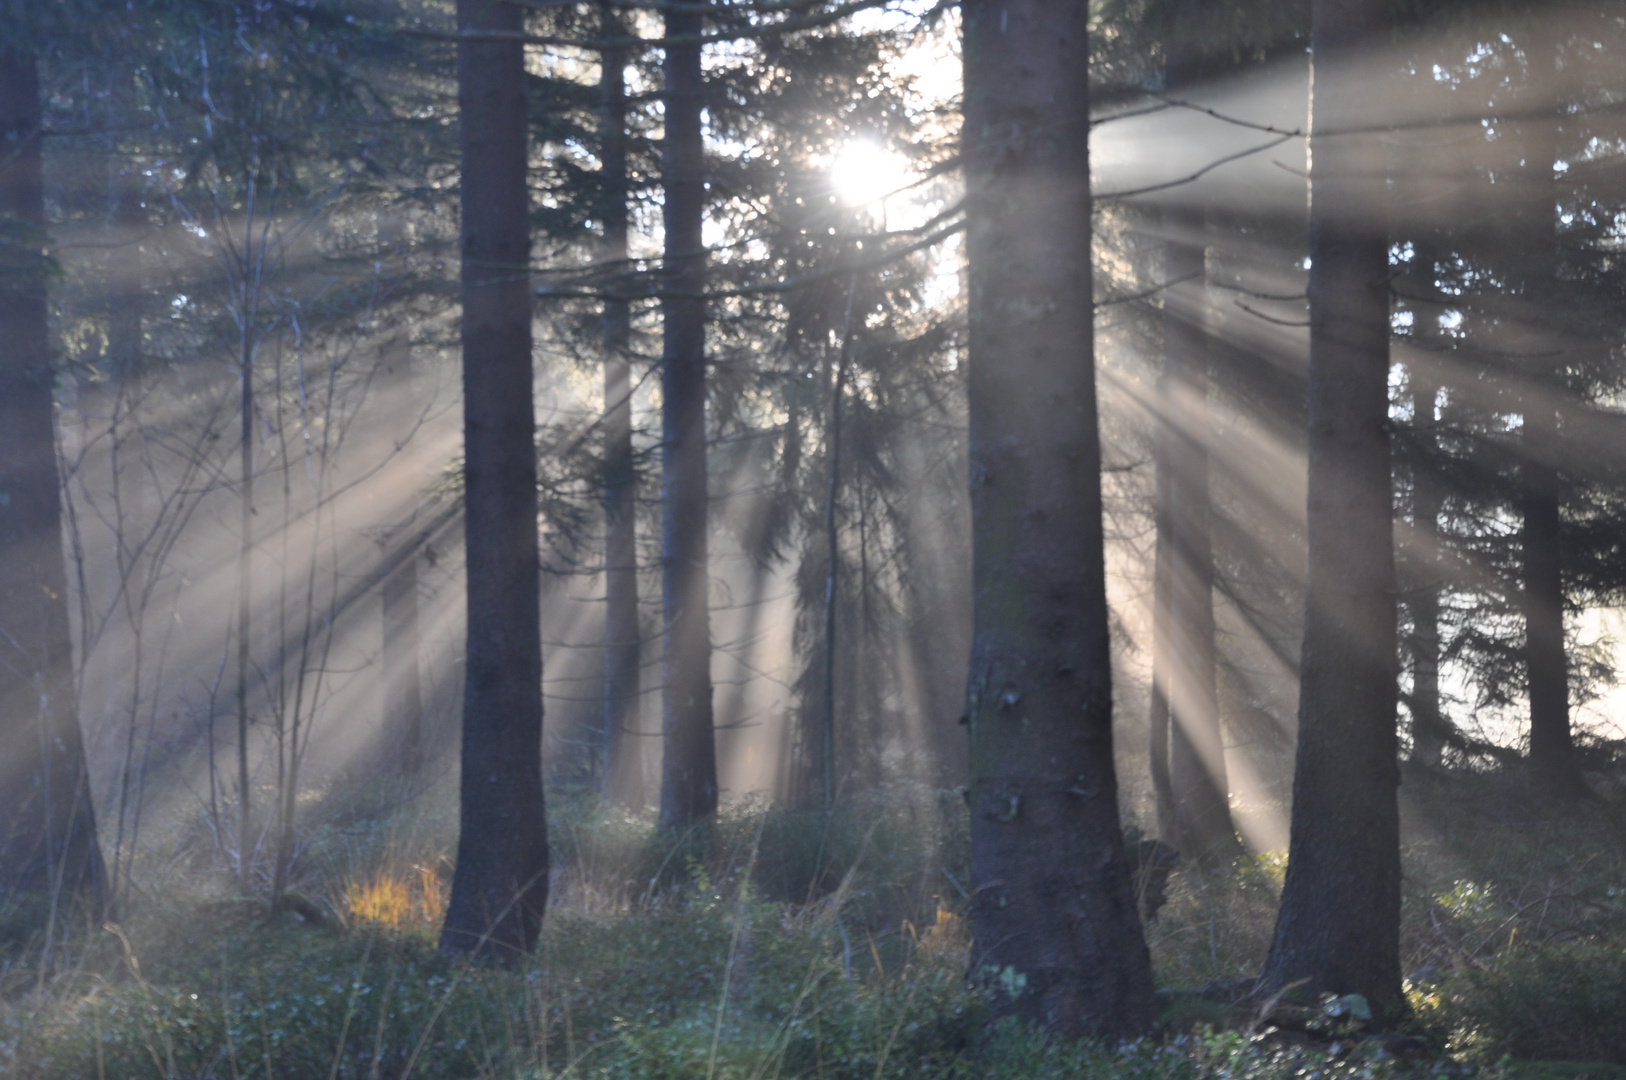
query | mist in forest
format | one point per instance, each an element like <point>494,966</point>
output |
<point>335,299</point>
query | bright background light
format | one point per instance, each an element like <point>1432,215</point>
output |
<point>864,173</point>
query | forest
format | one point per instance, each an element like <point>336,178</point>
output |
<point>812,539</point>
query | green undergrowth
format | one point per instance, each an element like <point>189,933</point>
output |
<point>1559,1000</point>
<point>746,989</point>
<point>903,847</point>
<point>725,995</point>
<point>771,944</point>
<point>1514,922</point>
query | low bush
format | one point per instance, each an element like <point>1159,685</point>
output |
<point>1560,1000</point>
<point>896,844</point>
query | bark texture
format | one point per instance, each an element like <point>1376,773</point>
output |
<point>1057,936</point>
<point>47,821</point>
<point>500,887</point>
<point>1339,924</point>
<point>689,763</point>
<point>623,764</point>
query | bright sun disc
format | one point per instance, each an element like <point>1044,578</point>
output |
<point>864,173</point>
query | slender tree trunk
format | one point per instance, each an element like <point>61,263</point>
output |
<point>403,693</point>
<point>1183,657</point>
<point>623,764</point>
<point>500,888</point>
<point>1158,734</point>
<point>1552,749</point>
<point>245,593</point>
<point>47,821</point>
<point>832,573</point>
<point>1188,771</point>
<point>793,764</point>
<point>1339,924</point>
<point>1429,730</point>
<point>689,764</point>
<point>1428,726</point>
<point>1057,935</point>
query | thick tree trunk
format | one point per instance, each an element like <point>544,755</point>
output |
<point>1339,924</point>
<point>47,821</point>
<point>689,764</point>
<point>623,764</point>
<point>1057,935</point>
<point>500,888</point>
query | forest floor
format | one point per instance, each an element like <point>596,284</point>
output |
<point>773,944</point>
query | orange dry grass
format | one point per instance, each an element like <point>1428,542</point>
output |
<point>414,898</point>
<point>948,936</point>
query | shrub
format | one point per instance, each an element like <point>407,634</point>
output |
<point>1563,1000</point>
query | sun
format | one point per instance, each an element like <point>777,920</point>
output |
<point>865,173</point>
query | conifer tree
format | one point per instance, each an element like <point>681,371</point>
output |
<point>1339,924</point>
<point>1057,933</point>
<point>48,845</point>
<point>623,764</point>
<point>689,763</point>
<point>500,888</point>
<point>1186,739</point>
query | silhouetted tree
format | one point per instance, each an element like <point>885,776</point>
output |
<point>500,887</point>
<point>1430,730</point>
<point>1513,369</point>
<point>689,764</point>
<point>1339,924</point>
<point>1541,487</point>
<point>47,820</point>
<point>623,764</point>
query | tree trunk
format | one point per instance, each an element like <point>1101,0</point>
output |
<point>1057,935</point>
<point>47,820</point>
<point>500,888</point>
<point>832,572</point>
<point>1183,656</point>
<point>1185,696</point>
<point>1428,725</point>
<point>1430,731</point>
<point>1339,924</point>
<point>623,764</point>
<point>1552,749</point>
<point>689,763</point>
<point>246,843</point>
